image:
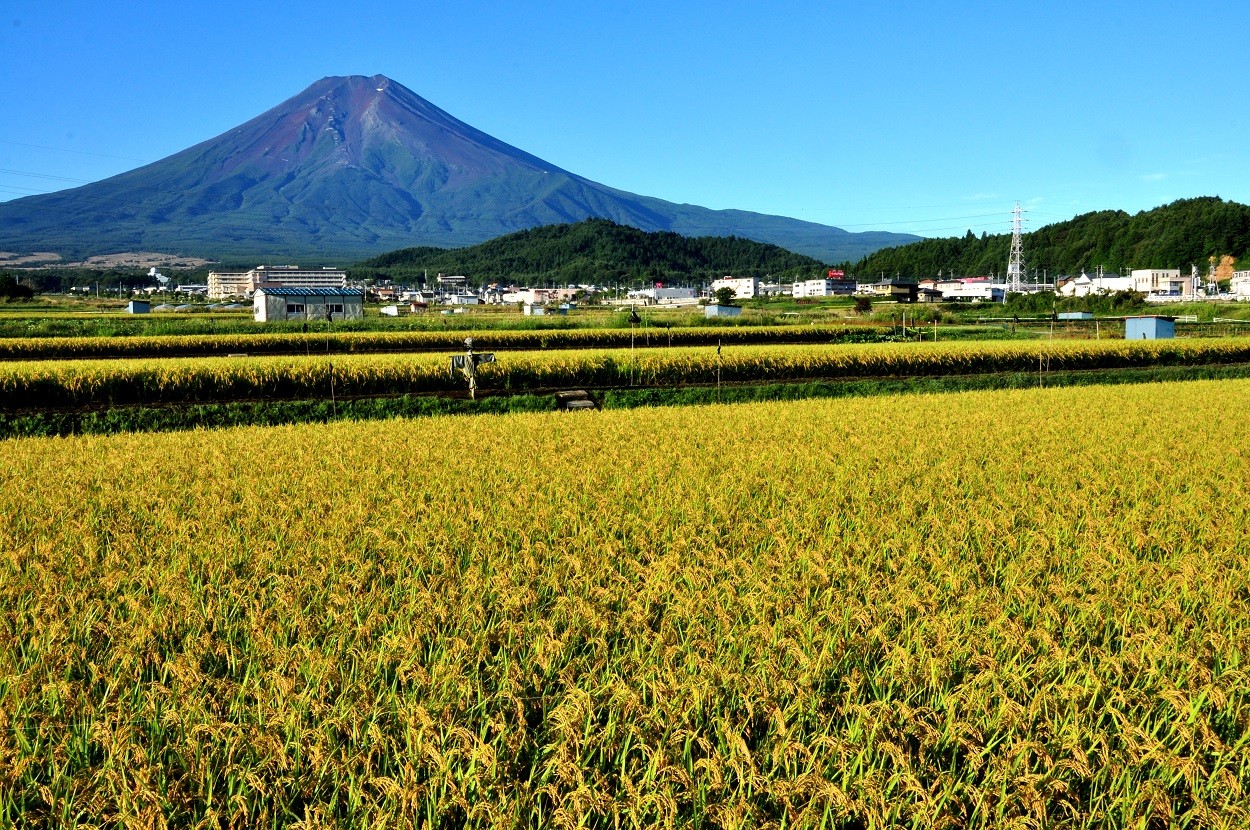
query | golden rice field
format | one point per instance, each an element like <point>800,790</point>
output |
<point>1010,609</point>
<point>68,383</point>
<point>174,345</point>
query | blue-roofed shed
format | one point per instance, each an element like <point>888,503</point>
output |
<point>308,304</point>
<point>1149,327</point>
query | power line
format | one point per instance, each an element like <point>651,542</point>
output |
<point>918,221</point>
<point>44,176</point>
<point>67,150</point>
<point>12,188</point>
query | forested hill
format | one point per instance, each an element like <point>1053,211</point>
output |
<point>1177,235</point>
<point>594,251</point>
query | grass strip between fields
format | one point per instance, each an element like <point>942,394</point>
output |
<point>119,419</point>
<point>374,342</point>
<point>86,384</point>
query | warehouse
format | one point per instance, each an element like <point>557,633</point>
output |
<point>329,304</point>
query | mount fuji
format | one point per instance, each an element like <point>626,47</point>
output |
<point>356,166</point>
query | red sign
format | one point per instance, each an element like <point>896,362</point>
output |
<point>835,274</point>
<point>659,285</point>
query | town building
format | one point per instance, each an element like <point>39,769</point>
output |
<point>1102,283</point>
<point>225,284</point>
<point>903,292</point>
<point>661,295</point>
<point>292,276</point>
<point>972,289</point>
<point>1161,282</point>
<point>1239,285</point>
<point>824,287</point>
<point>453,284</point>
<point>540,296</point>
<point>744,288</point>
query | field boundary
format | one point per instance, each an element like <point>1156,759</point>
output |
<point>164,417</point>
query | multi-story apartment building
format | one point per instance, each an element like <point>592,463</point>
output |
<point>224,284</point>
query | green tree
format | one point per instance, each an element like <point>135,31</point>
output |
<point>11,289</point>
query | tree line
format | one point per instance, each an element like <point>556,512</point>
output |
<point>1177,235</point>
<point>593,251</point>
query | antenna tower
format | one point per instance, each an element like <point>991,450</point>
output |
<point>1015,265</point>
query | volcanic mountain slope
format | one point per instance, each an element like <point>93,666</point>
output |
<point>356,166</point>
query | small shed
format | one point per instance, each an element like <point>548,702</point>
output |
<point>721,310</point>
<point>138,307</point>
<point>271,304</point>
<point>1149,327</point>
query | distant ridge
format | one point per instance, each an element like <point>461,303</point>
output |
<point>355,166</point>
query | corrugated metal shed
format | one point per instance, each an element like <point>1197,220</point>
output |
<point>326,304</point>
<point>1149,327</point>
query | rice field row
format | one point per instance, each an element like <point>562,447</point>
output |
<point>1010,609</point>
<point>48,348</point>
<point>43,384</point>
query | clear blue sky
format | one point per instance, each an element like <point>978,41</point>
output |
<point>927,117</point>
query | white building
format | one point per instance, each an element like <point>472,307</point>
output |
<point>823,288</point>
<point>328,304</point>
<point>453,284</point>
<point>1085,285</point>
<point>1162,281</point>
<point>663,295</point>
<point>976,290</point>
<point>223,284</point>
<point>744,288</point>
<point>1239,286</point>
<point>540,296</point>
<point>292,276</point>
